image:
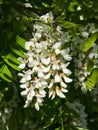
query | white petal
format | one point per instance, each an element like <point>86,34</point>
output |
<point>24,85</point>
<point>30,59</point>
<point>25,92</point>
<point>37,35</point>
<point>43,93</point>
<point>44,83</point>
<point>39,100</point>
<point>37,106</point>
<point>51,84</point>
<point>85,34</point>
<point>28,77</point>
<point>29,97</point>
<point>29,45</point>
<point>40,74</point>
<point>23,80</point>
<point>64,65</point>
<point>27,103</point>
<point>64,90</point>
<point>20,74</point>
<point>67,80</point>
<point>45,61</point>
<point>67,57</point>
<point>57,45</point>
<point>66,71</point>
<point>35,69</point>
<point>54,67</point>
<point>47,76</point>
<point>51,93</point>
<point>60,94</point>
<point>57,51</point>
<point>57,78</point>
<point>22,66</point>
<point>63,84</point>
<point>45,69</point>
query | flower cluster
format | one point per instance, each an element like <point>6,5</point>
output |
<point>81,59</point>
<point>80,110</point>
<point>45,68</point>
<point>4,117</point>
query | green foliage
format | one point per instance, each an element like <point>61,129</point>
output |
<point>5,72</point>
<point>11,60</point>
<point>92,79</point>
<point>90,41</point>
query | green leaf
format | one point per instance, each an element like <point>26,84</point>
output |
<point>20,41</point>
<point>1,2</point>
<point>5,73</point>
<point>92,79</point>
<point>17,50</point>
<point>89,42</point>
<point>67,24</point>
<point>12,61</point>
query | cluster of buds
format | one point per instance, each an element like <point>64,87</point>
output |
<point>45,68</point>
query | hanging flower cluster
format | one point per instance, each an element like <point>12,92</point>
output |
<point>81,59</point>
<point>45,68</point>
<point>80,110</point>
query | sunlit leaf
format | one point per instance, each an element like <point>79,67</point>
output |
<point>92,79</point>
<point>5,73</point>
<point>17,50</point>
<point>67,24</point>
<point>12,61</point>
<point>20,41</point>
<point>90,41</point>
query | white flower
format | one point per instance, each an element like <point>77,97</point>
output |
<point>51,84</point>
<point>85,34</point>
<point>64,90</point>
<point>67,79</point>
<point>57,78</point>
<point>37,35</point>
<point>23,62</point>
<point>55,64</point>
<point>38,103</point>
<point>47,18</point>
<point>42,92</point>
<point>27,103</point>
<point>45,69</point>
<point>24,85</point>
<point>31,94</point>
<point>58,28</point>
<point>66,71</point>
<point>29,45</point>
<point>37,106</point>
<point>26,76</point>
<point>52,93</point>
<point>65,54</point>
<point>45,61</point>
<point>40,74</point>
<point>59,92</point>
<point>63,84</point>
<point>25,92</point>
<point>57,45</point>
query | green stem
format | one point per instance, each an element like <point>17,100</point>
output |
<point>62,124</point>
